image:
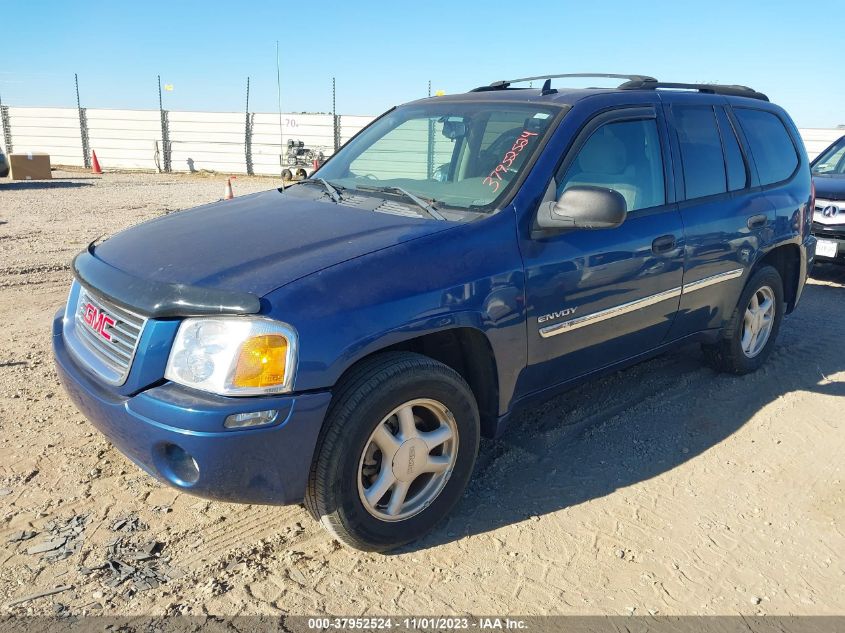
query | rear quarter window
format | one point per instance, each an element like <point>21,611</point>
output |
<point>770,144</point>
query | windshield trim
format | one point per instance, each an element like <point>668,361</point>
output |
<point>557,111</point>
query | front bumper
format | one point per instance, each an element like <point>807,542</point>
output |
<point>162,428</point>
<point>831,233</point>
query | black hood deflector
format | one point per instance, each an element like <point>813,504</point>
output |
<point>157,299</point>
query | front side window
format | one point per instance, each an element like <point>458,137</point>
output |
<point>624,156</point>
<point>457,155</point>
<point>772,149</point>
<point>831,161</point>
<point>701,151</point>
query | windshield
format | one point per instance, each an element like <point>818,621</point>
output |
<point>832,161</point>
<point>453,154</point>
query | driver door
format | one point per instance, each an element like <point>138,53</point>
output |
<point>597,297</point>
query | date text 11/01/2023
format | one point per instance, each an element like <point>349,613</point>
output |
<point>418,623</point>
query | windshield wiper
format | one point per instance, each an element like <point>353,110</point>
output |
<point>333,193</point>
<point>422,204</point>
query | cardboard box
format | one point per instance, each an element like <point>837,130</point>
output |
<point>30,166</point>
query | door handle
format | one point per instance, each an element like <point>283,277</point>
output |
<point>757,221</point>
<point>663,244</point>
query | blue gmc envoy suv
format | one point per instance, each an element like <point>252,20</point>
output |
<point>346,340</point>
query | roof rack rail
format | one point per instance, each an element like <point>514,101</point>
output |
<point>502,85</point>
<point>729,90</point>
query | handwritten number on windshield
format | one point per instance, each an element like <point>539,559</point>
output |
<point>495,176</point>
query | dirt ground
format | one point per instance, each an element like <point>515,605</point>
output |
<point>666,488</point>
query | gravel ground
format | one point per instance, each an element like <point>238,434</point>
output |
<point>665,488</point>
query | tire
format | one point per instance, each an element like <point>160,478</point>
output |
<point>349,464</point>
<point>287,175</point>
<point>732,353</point>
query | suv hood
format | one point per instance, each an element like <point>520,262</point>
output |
<point>829,187</point>
<point>255,243</point>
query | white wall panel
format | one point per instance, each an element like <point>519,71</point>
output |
<point>124,139</point>
<point>817,139</point>
<point>54,131</point>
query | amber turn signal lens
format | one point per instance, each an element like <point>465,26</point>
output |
<point>261,362</point>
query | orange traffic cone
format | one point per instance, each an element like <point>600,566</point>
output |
<point>95,164</point>
<point>227,191</point>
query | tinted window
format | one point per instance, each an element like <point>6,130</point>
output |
<point>623,156</point>
<point>733,155</point>
<point>772,149</point>
<point>701,151</point>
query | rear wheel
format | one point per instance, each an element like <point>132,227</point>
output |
<point>750,334</point>
<point>396,452</point>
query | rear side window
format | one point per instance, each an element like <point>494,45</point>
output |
<point>737,178</point>
<point>770,143</point>
<point>624,156</point>
<point>701,150</point>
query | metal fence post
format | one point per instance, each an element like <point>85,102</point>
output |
<point>335,118</point>
<point>83,127</point>
<point>248,134</point>
<point>430,156</point>
<point>7,128</point>
<point>165,132</point>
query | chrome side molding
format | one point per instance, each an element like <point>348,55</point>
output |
<point>625,308</point>
<point>714,279</point>
<point>609,313</point>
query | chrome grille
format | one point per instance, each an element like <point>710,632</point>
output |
<point>113,344</point>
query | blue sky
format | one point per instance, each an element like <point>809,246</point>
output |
<point>383,53</point>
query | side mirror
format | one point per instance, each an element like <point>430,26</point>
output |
<point>584,207</point>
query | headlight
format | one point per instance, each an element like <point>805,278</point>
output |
<point>234,356</point>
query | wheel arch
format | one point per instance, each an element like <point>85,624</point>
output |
<point>468,351</point>
<point>786,259</point>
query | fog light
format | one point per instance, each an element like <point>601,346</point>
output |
<point>181,464</point>
<point>253,418</point>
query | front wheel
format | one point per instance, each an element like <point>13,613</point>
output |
<point>396,452</point>
<point>750,334</point>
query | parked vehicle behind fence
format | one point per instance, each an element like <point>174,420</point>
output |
<point>346,341</point>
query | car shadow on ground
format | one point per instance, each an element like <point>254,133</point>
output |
<point>21,185</point>
<point>637,424</point>
<point>833,273</point>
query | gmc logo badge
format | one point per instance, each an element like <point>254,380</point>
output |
<point>98,321</point>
